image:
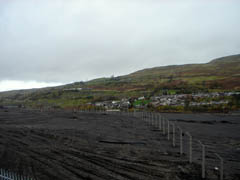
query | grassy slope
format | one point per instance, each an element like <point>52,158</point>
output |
<point>219,74</point>
<point>221,71</point>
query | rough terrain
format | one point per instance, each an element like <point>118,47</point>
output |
<point>65,145</point>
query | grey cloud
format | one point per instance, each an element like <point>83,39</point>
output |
<point>65,41</point>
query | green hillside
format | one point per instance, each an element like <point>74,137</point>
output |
<point>222,74</point>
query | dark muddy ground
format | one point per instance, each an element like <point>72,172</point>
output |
<point>65,145</point>
<point>220,133</point>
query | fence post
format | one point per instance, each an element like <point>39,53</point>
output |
<point>160,122</point>
<point>168,130</point>
<point>145,117</point>
<point>11,175</point>
<point>152,119</point>
<point>148,118</point>
<point>203,159</point>
<point>221,166</point>
<point>190,146</point>
<point>163,126</point>
<point>156,120</point>
<point>180,139</point>
<point>173,140</point>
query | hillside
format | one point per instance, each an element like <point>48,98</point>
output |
<point>222,73</point>
<point>217,75</point>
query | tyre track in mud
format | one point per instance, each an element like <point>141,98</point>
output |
<point>64,149</point>
<point>123,168</point>
<point>101,164</point>
<point>104,165</point>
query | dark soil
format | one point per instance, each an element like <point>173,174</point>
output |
<point>221,134</point>
<point>65,145</point>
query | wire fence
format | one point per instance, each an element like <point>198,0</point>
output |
<point>173,132</point>
<point>190,147</point>
<point>8,175</point>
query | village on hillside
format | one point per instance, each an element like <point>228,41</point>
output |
<point>177,100</point>
<point>167,102</point>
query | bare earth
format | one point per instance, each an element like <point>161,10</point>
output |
<point>65,145</point>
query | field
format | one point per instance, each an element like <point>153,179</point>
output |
<point>66,145</point>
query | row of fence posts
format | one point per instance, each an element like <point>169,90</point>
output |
<point>8,175</point>
<point>161,122</point>
<point>157,120</point>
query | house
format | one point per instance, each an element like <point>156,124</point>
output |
<point>141,98</point>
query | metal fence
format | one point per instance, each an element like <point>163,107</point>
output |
<point>174,132</point>
<point>8,175</point>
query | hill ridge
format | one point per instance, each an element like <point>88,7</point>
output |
<point>221,74</point>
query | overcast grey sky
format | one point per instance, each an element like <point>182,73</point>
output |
<point>62,41</point>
